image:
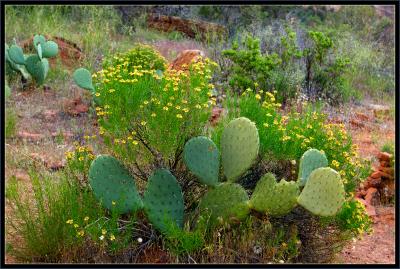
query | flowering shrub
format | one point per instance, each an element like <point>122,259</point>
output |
<point>149,113</point>
<point>141,54</point>
<point>354,218</point>
<point>288,136</point>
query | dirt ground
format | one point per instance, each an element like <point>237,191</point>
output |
<point>370,130</point>
<point>47,129</point>
<point>377,248</point>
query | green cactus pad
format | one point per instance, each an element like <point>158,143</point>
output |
<point>38,39</point>
<point>113,186</point>
<point>239,147</point>
<point>311,160</point>
<point>163,200</point>
<point>226,202</point>
<point>50,49</point>
<point>274,198</point>
<point>201,156</point>
<point>16,54</point>
<point>323,193</point>
<point>83,79</point>
<point>39,51</point>
<point>37,68</point>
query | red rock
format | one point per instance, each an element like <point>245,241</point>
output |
<point>184,59</point>
<point>52,165</point>
<point>57,165</point>
<point>362,116</point>
<point>64,134</point>
<point>50,114</point>
<point>387,170</point>
<point>376,174</point>
<point>30,136</point>
<point>190,28</point>
<point>22,175</point>
<point>216,114</point>
<point>384,156</point>
<point>75,106</point>
<point>384,164</point>
<point>372,197</point>
<point>356,123</point>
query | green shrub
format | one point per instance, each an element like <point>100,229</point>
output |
<point>251,67</point>
<point>141,55</point>
<point>325,70</point>
<point>150,114</point>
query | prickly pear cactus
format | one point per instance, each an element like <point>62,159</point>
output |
<point>323,193</point>
<point>37,68</point>
<point>163,200</point>
<point>16,54</point>
<point>38,39</point>
<point>274,198</point>
<point>311,160</point>
<point>49,49</point>
<point>226,202</point>
<point>201,156</point>
<point>83,79</point>
<point>113,186</point>
<point>239,147</point>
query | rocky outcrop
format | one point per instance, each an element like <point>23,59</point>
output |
<point>379,188</point>
<point>190,28</point>
<point>184,59</point>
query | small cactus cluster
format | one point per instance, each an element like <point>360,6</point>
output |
<point>323,192</point>
<point>115,188</point>
<point>34,66</point>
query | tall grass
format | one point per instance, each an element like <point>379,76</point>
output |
<point>38,215</point>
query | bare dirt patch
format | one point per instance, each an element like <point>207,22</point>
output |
<point>377,248</point>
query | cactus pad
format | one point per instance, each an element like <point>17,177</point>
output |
<point>163,200</point>
<point>16,54</point>
<point>83,79</point>
<point>227,201</point>
<point>113,186</point>
<point>323,193</point>
<point>38,39</point>
<point>50,49</point>
<point>36,68</point>
<point>311,160</point>
<point>239,147</point>
<point>274,198</point>
<point>201,156</point>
